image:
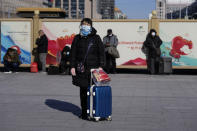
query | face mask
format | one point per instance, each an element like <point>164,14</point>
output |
<point>85,30</point>
<point>153,34</point>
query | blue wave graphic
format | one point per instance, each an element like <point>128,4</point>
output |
<point>7,42</point>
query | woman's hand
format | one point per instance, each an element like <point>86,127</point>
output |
<point>73,73</point>
<point>100,68</point>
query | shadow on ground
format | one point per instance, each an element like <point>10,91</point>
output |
<point>63,106</point>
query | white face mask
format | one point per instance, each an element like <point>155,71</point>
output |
<point>153,34</point>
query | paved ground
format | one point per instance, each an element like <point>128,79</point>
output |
<point>38,102</point>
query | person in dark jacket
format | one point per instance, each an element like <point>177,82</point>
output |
<point>65,60</point>
<point>87,50</point>
<point>110,40</point>
<point>42,43</point>
<point>11,60</point>
<point>153,43</point>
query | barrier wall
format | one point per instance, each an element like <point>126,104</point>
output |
<point>18,33</point>
<point>179,41</point>
<point>130,33</point>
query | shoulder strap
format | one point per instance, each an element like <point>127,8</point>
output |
<point>90,43</point>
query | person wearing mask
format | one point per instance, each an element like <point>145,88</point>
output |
<point>87,52</point>
<point>153,43</point>
<point>110,40</point>
<point>42,43</point>
<point>11,60</point>
<point>65,60</point>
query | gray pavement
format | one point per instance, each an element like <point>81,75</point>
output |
<point>38,102</point>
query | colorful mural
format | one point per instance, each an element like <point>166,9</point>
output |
<point>15,33</point>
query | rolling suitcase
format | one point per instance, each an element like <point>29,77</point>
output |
<point>165,65</point>
<point>99,102</point>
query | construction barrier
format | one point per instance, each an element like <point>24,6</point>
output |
<point>179,38</point>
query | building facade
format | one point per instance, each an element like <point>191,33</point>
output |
<point>161,8</point>
<point>106,8</point>
<point>8,7</point>
<point>77,9</point>
<point>173,9</point>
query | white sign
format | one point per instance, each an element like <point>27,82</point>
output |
<point>131,36</point>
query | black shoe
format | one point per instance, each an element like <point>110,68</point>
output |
<point>83,117</point>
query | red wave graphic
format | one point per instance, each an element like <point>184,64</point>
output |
<point>137,61</point>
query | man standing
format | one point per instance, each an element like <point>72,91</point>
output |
<point>42,43</point>
<point>110,40</point>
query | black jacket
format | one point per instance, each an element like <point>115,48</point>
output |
<point>42,43</point>
<point>95,57</point>
<point>153,44</point>
<point>12,55</point>
<point>65,54</point>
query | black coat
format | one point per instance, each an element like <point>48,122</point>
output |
<point>153,44</point>
<point>42,43</point>
<point>94,59</point>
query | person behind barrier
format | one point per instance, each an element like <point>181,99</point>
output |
<point>42,43</point>
<point>110,40</point>
<point>153,43</point>
<point>11,60</point>
<point>87,52</point>
<point>65,60</point>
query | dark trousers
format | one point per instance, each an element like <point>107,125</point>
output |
<point>83,98</point>
<point>153,65</point>
<point>64,67</point>
<point>110,63</point>
<point>11,66</point>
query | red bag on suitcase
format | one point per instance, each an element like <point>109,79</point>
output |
<point>100,76</point>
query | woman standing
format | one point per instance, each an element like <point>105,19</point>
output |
<point>87,52</point>
<point>153,43</point>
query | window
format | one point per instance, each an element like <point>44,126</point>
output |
<point>58,3</point>
<point>73,8</point>
<point>81,8</point>
<point>160,4</point>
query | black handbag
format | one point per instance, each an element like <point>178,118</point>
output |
<point>113,52</point>
<point>35,51</point>
<point>144,49</point>
<point>80,68</point>
<point>53,70</point>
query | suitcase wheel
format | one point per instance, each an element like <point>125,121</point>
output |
<point>97,119</point>
<point>109,118</point>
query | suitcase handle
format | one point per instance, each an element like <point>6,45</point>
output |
<point>91,77</point>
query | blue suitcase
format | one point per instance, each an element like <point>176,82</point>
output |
<point>99,102</point>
